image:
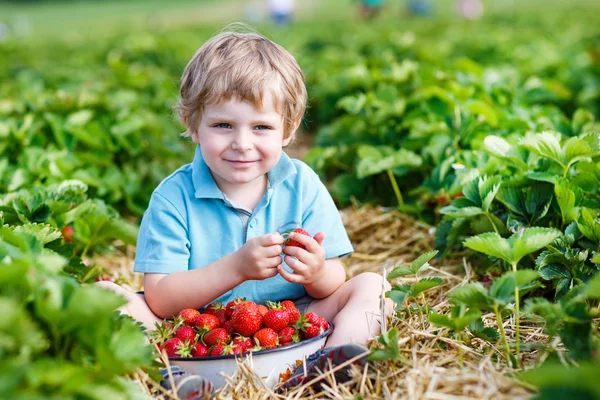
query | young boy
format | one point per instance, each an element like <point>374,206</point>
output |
<point>212,229</point>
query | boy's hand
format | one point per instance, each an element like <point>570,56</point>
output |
<point>259,257</point>
<point>308,265</point>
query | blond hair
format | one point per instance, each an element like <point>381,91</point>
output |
<point>242,66</point>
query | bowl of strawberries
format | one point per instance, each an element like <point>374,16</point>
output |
<point>275,335</point>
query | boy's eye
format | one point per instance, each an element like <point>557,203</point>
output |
<point>222,125</point>
<point>263,127</point>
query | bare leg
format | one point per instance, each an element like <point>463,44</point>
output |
<point>354,309</point>
<point>136,306</point>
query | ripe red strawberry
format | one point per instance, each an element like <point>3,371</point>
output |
<point>246,320</point>
<point>219,335</point>
<point>67,233</point>
<point>323,323</point>
<point>262,309</point>
<point>217,350</point>
<point>288,335</point>
<point>207,322</point>
<point>200,350</point>
<point>292,311</point>
<point>267,338</point>
<point>243,342</point>
<point>232,305</point>
<point>186,333</point>
<point>162,332</point>
<point>171,346</point>
<point>228,326</point>
<point>189,315</point>
<point>310,325</point>
<point>103,277</point>
<point>218,310</point>
<point>290,242</point>
<point>212,308</point>
<point>312,331</point>
<point>276,319</point>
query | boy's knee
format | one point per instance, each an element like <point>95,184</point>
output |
<point>371,281</point>
<point>115,288</point>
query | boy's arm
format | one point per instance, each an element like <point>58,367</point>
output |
<point>258,259</point>
<point>334,275</point>
<point>167,294</point>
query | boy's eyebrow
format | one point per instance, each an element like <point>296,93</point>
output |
<point>264,120</point>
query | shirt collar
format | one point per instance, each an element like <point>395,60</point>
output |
<point>205,186</point>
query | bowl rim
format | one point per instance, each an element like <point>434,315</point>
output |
<point>256,353</point>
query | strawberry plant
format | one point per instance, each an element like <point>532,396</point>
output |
<point>61,338</point>
<point>502,293</point>
<point>403,292</point>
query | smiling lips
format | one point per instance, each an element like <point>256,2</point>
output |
<point>241,163</point>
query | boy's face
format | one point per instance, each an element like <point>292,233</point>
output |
<point>239,143</point>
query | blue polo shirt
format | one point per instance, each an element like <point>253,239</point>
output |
<point>190,223</point>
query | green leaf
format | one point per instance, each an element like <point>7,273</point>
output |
<point>372,160</point>
<point>424,284</point>
<point>531,240</point>
<point>464,212</point>
<point>422,262</point>
<point>592,288</point>
<point>473,295</point>
<point>478,330</point>
<point>488,188</point>
<point>441,320</point>
<point>43,232</point>
<point>581,118</point>
<point>490,243</point>
<point>390,350</point>
<point>512,198</point>
<point>568,197</point>
<point>554,271</point>
<point>550,378</point>
<point>588,224</point>
<point>577,150</point>
<point>399,272</point>
<point>545,144</point>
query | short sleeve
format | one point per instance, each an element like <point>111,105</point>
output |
<point>163,245</point>
<point>321,215</point>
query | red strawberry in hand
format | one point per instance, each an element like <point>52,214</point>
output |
<point>290,242</point>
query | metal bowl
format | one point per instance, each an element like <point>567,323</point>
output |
<point>267,364</point>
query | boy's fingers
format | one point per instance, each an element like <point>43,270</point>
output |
<point>271,239</point>
<point>305,240</point>
<point>274,250</point>
<point>319,237</point>
<point>288,276</point>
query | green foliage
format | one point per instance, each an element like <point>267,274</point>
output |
<point>390,350</point>
<point>61,338</point>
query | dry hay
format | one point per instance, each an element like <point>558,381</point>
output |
<point>382,239</point>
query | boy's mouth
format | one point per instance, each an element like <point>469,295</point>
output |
<point>241,162</point>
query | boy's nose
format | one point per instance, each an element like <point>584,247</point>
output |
<point>242,142</point>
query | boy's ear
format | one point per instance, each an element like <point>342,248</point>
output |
<point>194,133</point>
<point>290,138</point>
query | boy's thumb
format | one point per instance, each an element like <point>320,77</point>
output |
<point>319,237</point>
